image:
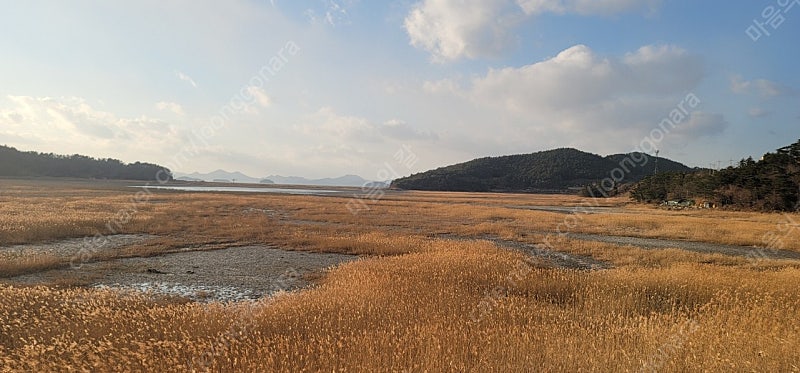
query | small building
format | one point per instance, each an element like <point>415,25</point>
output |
<point>679,203</point>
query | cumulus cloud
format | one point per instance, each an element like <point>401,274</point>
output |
<point>66,115</point>
<point>171,107</point>
<point>557,101</point>
<point>761,87</point>
<point>453,29</point>
<point>580,79</point>
<point>73,121</point>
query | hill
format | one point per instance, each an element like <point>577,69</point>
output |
<point>17,163</point>
<point>647,168</point>
<point>556,170</point>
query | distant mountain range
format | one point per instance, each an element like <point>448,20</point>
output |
<point>555,170</point>
<point>238,177</point>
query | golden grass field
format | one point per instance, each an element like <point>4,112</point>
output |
<point>423,298</point>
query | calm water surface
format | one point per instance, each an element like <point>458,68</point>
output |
<point>238,189</point>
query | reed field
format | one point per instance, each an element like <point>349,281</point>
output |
<point>433,290</point>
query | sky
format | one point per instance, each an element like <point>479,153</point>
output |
<point>323,88</point>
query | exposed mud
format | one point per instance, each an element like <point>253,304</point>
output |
<point>232,274</point>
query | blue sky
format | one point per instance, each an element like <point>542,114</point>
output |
<point>347,85</point>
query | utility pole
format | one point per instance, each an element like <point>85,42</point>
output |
<point>655,170</point>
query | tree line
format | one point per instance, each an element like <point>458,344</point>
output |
<point>17,163</point>
<point>769,184</point>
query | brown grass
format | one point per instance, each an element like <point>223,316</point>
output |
<point>15,266</point>
<point>416,303</point>
<point>454,308</point>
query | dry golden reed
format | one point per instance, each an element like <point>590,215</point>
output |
<point>418,311</point>
<point>423,298</point>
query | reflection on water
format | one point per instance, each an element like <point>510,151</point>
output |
<point>236,189</point>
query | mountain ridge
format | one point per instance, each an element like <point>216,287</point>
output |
<point>236,176</point>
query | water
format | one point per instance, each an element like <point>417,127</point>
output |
<point>239,189</point>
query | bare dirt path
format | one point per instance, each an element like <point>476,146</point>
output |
<point>557,258</point>
<point>657,243</point>
<point>565,260</point>
<point>700,247</point>
<point>572,209</point>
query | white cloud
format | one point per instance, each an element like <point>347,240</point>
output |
<point>453,29</point>
<point>77,127</point>
<point>580,79</point>
<point>59,116</point>
<point>185,78</point>
<point>761,87</point>
<point>619,100</point>
<point>171,107</point>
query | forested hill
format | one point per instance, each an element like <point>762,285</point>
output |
<point>551,170</point>
<point>21,164</point>
<point>769,184</point>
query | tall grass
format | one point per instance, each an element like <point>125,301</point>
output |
<point>417,312</point>
<point>416,302</point>
<point>15,266</point>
